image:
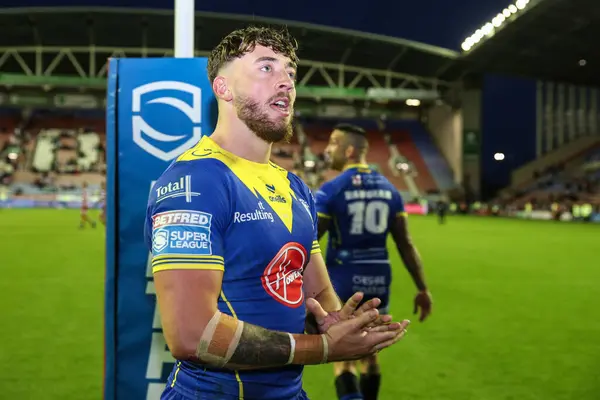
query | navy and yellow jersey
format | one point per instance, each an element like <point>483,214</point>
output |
<point>362,205</point>
<point>255,222</point>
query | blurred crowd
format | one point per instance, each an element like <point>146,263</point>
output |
<point>561,191</point>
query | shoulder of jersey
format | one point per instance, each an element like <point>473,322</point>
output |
<point>298,184</point>
<point>189,176</point>
<point>203,167</point>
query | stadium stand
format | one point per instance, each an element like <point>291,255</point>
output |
<point>435,162</point>
<point>407,148</point>
<point>46,155</point>
<point>65,148</point>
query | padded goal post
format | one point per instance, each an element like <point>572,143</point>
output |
<point>156,109</point>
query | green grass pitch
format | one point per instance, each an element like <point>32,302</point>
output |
<point>516,311</point>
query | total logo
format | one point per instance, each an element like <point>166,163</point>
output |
<point>282,279</point>
<point>164,145</point>
<point>179,188</point>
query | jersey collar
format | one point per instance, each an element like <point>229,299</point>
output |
<point>350,166</point>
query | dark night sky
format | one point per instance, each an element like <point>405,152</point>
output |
<point>439,22</point>
<point>508,104</point>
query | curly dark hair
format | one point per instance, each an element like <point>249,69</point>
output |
<point>242,41</point>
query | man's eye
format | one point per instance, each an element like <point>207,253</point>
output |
<point>266,68</point>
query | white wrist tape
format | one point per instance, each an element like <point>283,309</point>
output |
<point>325,349</point>
<point>292,348</point>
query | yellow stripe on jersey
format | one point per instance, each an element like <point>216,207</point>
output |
<point>315,248</point>
<point>188,256</point>
<point>172,266</point>
<point>186,261</point>
<point>402,214</point>
<point>323,215</point>
<point>359,166</point>
<point>176,261</point>
<point>176,373</point>
<point>237,374</point>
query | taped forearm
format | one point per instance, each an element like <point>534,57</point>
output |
<point>233,344</point>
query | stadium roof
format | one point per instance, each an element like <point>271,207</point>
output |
<point>545,39</point>
<point>370,60</point>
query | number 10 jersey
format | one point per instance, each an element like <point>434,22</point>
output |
<point>362,205</point>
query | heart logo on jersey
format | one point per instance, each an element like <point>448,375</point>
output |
<point>282,278</point>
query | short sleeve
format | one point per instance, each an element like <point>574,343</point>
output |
<point>323,201</point>
<point>186,220</point>
<point>397,204</point>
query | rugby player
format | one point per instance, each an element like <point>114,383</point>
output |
<point>359,208</point>
<point>235,258</point>
<point>84,216</point>
<point>103,203</point>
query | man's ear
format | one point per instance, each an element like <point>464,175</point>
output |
<point>349,152</point>
<point>221,89</point>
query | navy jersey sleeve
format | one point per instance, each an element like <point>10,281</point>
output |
<point>186,219</point>
<point>397,204</point>
<point>324,200</point>
<point>313,212</point>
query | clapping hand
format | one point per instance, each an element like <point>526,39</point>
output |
<point>324,320</point>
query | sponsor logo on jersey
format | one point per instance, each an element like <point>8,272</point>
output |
<point>356,180</point>
<point>181,217</point>
<point>277,199</point>
<point>160,240</point>
<point>257,215</point>
<point>370,285</point>
<point>181,240</point>
<point>282,278</point>
<point>181,232</point>
<point>179,188</point>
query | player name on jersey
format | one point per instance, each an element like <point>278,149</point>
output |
<point>368,194</point>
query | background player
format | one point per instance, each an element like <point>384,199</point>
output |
<point>85,217</point>
<point>441,209</point>
<point>235,257</point>
<point>359,208</point>
<point>102,202</point>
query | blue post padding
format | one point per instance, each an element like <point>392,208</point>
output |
<point>160,108</point>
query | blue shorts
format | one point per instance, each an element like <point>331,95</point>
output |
<point>172,394</point>
<point>348,280</point>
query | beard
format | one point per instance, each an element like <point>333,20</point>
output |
<point>258,121</point>
<point>334,161</point>
<point>337,164</point>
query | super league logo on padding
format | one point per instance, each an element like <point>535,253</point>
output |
<point>142,131</point>
<point>282,278</point>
